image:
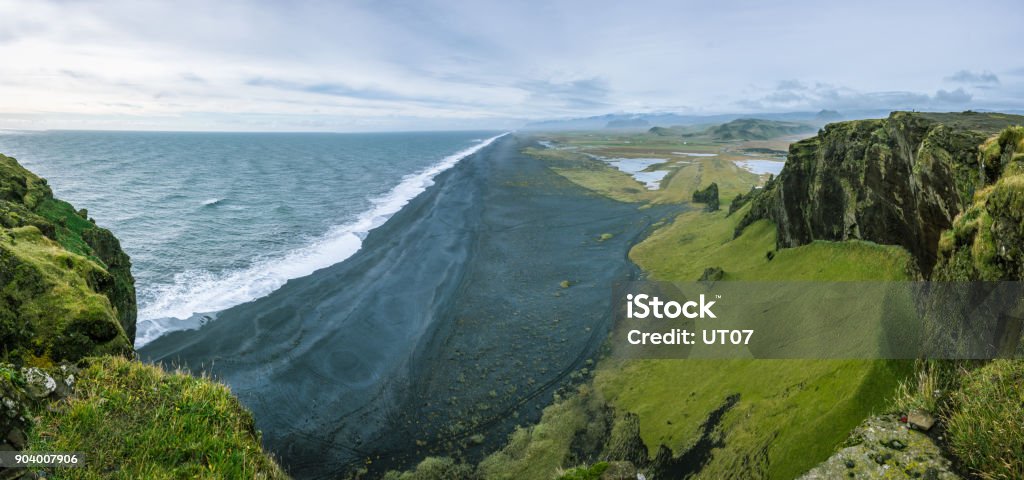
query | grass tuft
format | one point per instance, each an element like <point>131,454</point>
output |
<point>985,424</point>
<point>138,421</point>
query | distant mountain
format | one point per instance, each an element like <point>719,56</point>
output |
<point>628,123</point>
<point>644,120</point>
<point>827,116</point>
<point>757,129</point>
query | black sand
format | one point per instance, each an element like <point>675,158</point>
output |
<point>448,328</point>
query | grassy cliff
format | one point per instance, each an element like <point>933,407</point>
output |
<point>67,287</point>
<point>67,381</point>
<point>908,197</point>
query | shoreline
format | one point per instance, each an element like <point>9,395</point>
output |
<point>418,325</point>
<point>337,244</point>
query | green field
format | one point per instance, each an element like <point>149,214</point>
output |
<point>686,173</point>
<point>791,414</point>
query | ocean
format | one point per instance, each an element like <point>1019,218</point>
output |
<point>456,320</point>
<point>214,220</point>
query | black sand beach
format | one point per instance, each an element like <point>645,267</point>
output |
<point>447,329</point>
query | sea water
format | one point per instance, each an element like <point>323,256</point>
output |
<point>213,220</point>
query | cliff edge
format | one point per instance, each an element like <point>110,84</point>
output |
<point>895,181</point>
<point>68,382</point>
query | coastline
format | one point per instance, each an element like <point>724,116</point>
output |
<point>403,347</point>
<point>206,297</point>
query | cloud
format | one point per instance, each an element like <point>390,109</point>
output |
<point>335,89</point>
<point>792,95</point>
<point>966,76</point>
<point>580,94</point>
<point>380,65</point>
<point>956,97</point>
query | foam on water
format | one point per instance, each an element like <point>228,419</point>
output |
<point>182,305</point>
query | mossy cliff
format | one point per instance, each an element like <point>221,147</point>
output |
<point>66,286</point>
<point>894,181</point>
<point>910,196</point>
<point>986,241</point>
<point>67,380</point>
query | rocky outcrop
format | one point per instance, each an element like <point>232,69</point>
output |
<point>986,241</point>
<point>708,196</point>
<point>883,447</point>
<point>898,181</point>
<point>66,289</point>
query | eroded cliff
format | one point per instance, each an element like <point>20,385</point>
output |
<point>897,181</point>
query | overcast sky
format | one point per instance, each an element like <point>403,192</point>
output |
<point>375,65</point>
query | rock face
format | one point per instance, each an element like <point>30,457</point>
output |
<point>66,289</point>
<point>898,181</point>
<point>707,196</point>
<point>987,239</point>
<point>881,447</point>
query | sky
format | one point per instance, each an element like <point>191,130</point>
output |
<point>437,65</point>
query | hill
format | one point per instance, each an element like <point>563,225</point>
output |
<point>756,129</point>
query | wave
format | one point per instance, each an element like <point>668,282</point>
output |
<point>195,294</point>
<point>212,201</point>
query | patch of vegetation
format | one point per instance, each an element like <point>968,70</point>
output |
<point>592,472</point>
<point>924,391</point>
<point>540,450</point>
<point>708,196</point>
<point>56,267</point>
<point>594,175</point>
<point>985,425</point>
<point>137,421</point>
<point>986,241</point>
<point>50,309</point>
<point>794,412</point>
<point>741,199</point>
<point>435,468</point>
<point>686,173</point>
<point>671,253</point>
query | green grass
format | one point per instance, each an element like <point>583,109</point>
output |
<point>792,414</point>
<point>985,424</point>
<point>137,421</point>
<point>67,288</point>
<point>434,468</point>
<point>686,174</point>
<point>540,450</point>
<point>592,472</point>
<point>593,175</point>
<point>698,240</point>
<point>57,315</point>
<point>71,226</point>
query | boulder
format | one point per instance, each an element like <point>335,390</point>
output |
<point>882,447</point>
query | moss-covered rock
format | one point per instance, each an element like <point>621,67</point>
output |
<point>67,297</point>
<point>66,286</point>
<point>882,447</point>
<point>708,196</point>
<point>986,241</point>
<point>897,181</point>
